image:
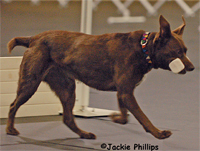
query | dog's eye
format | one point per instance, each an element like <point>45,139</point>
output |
<point>179,52</point>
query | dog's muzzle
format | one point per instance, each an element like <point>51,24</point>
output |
<point>176,65</point>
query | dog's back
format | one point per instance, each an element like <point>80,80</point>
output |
<point>72,50</point>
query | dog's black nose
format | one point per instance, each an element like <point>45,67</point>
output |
<point>191,68</point>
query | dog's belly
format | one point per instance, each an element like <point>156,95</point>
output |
<point>101,85</point>
<point>97,79</point>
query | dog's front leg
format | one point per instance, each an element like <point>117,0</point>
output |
<point>131,104</point>
<point>123,117</point>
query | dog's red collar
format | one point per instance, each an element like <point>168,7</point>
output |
<point>144,42</point>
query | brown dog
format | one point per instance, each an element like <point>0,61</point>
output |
<point>108,62</point>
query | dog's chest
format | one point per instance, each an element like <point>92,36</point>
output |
<point>142,80</point>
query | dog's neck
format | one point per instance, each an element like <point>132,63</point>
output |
<point>151,52</point>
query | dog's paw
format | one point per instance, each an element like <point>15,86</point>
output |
<point>117,118</point>
<point>12,131</point>
<point>87,135</point>
<point>164,134</point>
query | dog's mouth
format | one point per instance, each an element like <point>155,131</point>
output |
<point>182,72</point>
<point>177,66</point>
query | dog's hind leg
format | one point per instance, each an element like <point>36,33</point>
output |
<point>26,90</point>
<point>29,79</point>
<point>64,87</point>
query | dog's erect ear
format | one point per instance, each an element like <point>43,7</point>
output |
<point>180,29</point>
<point>165,31</point>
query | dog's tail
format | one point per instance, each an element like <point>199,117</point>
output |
<point>18,41</point>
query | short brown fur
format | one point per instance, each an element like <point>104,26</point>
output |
<point>108,62</point>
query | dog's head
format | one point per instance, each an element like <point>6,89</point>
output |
<point>169,49</point>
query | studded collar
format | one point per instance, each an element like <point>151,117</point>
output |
<point>143,43</point>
